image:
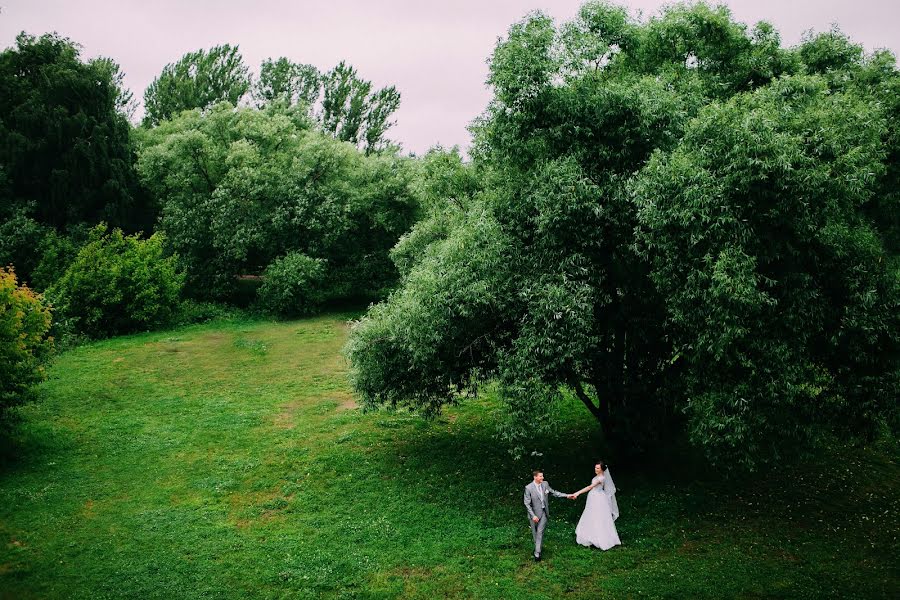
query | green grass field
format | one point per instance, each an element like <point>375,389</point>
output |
<point>229,460</point>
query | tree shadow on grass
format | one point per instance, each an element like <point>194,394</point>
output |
<point>465,458</point>
<point>26,442</point>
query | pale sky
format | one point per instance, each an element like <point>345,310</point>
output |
<point>434,52</point>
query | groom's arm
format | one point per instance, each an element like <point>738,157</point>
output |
<point>555,493</point>
<point>527,499</point>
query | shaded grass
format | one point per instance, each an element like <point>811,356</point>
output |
<point>229,460</point>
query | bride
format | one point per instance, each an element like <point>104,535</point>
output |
<point>596,527</point>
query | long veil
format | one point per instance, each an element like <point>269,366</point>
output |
<point>610,490</point>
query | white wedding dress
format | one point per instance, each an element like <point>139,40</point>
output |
<point>596,527</point>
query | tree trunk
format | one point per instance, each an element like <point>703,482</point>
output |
<point>604,397</point>
<point>597,411</point>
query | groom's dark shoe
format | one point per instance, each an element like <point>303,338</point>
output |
<point>537,558</point>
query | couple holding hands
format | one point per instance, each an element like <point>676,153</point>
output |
<point>595,528</point>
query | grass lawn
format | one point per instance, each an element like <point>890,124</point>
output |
<point>229,460</point>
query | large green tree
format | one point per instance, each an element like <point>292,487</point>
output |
<point>65,151</point>
<point>783,305</point>
<point>243,187</point>
<point>198,80</point>
<point>66,158</point>
<point>574,263</point>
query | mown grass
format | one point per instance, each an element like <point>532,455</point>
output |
<point>229,460</point>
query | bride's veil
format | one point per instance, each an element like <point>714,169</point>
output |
<point>610,489</point>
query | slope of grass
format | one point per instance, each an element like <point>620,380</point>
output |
<point>229,460</point>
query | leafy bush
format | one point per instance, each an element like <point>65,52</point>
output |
<point>293,285</point>
<point>39,253</point>
<point>56,254</point>
<point>118,284</point>
<point>19,236</point>
<point>24,343</point>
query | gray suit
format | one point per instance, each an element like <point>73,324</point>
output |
<point>537,503</point>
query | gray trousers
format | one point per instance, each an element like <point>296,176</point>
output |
<point>537,532</point>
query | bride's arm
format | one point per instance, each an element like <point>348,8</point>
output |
<point>586,489</point>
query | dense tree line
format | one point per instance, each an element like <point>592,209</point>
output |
<point>125,228</point>
<point>677,220</point>
<point>70,159</point>
<point>339,101</point>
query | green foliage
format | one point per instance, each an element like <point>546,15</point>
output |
<point>522,66</point>
<point>293,285</point>
<point>38,250</point>
<point>118,284</point>
<point>198,80</point>
<point>65,150</point>
<point>831,52</point>
<point>421,348</point>
<point>780,295</point>
<point>343,104</point>
<point>353,112</point>
<point>699,41</point>
<point>24,341</point>
<point>242,187</point>
<point>110,71</point>
<point>879,76</point>
<point>447,187</point>
<point>19,236</point>
<point>284,81</point>
<point>593,39</point>
<point>56,254</point>
<point>686,234</point>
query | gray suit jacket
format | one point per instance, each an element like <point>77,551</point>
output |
<point>533,499</point>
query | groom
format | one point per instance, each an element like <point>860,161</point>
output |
<point>537,503</point>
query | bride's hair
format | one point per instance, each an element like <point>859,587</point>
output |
<point>601,463</point>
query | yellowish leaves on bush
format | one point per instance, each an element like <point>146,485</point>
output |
<point>24,343</point>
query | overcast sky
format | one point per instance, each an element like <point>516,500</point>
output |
<point>434,52</point>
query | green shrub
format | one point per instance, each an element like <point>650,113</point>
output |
<point>293,285</point>
<point>118,284</point>
<point>39,253</point>
<point>20,235</point>
<point>24,343</point>
<point>56,254</point>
